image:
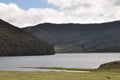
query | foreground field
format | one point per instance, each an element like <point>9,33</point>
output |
<point>97,75</point>
<point>107,71</point>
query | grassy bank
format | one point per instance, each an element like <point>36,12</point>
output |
<point>63,68</point>
<point>71,69</point>
<point>97,75</point>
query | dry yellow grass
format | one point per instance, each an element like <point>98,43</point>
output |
<point>98,75</point>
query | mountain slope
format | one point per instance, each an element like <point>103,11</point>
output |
<point>80,37</point>
<point>16,42</point>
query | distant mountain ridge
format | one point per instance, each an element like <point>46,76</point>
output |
<point>16,42</point>
<point>103,37</point>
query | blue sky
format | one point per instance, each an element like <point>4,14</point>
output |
<point>26,4</point>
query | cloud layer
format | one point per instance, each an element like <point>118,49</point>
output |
<point>69,11</point>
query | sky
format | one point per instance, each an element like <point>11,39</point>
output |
<point>24,13</point>
<point>26,4</point>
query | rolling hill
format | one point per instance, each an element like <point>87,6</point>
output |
<point>103,37</point>
<point>16,42</point>
<point>110,66</point>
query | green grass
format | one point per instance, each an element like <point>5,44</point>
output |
<point>63,68</point>
<point>71,69</point>
<point>97,75</point>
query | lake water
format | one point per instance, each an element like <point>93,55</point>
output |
<point>58,60</point>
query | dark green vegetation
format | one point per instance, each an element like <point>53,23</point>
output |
<point>16,42</point>
<point>110,66</point>
<point>71,69</point>
<point>62,68</point>
<point>80,37</point>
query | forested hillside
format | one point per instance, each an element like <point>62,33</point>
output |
<point>16,42</point>
<point>103,37</point>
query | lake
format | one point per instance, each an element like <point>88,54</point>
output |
<point>85,60</point>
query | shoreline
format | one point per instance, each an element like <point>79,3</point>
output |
<point>50,69</point>
<point>60,69</point>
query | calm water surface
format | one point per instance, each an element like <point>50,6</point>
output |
<point>58,60</point>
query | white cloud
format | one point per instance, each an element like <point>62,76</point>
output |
<point>70,11</point>
<point>13,14</point>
